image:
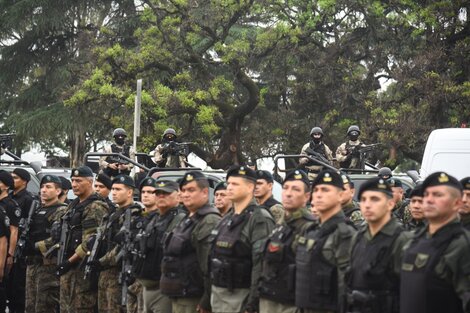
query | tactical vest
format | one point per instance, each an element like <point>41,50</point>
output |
<point>319,148</point>
<point>316,279</point>
<point>371,273</point>
<point>278,277</point>
<point>124,150</point>
<point>421,290</point>
<point>150,242</point>
<point>41,225</point>
<point>231,258</point>
<point>181,274</point>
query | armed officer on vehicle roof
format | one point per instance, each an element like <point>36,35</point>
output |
<point>385,173</point>
<point>464,210</point>
<point>322,254</point>
<point>436,264</point>
<point>6,182</point>
<point>349,205</point>
<point>170,153</point>
<point>239,241</point>
<point>80,221</point>
<point>417,220</point>
<point>42,283</point>
<point>113,165</point>
<point>316,148</point>
<point>159,220</point>
<point>347,154</point>
<point>264,194</point>
<point>185,277</point>
<point>277,290</point>
<point>373,278</point>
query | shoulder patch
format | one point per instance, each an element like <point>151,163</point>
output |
<point>17,212</point>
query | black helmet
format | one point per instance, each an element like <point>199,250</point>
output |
<point>385,171</point>
<point>353,128</point>
<point>119,132</point>
<point>316,130</point>
<point>169,131</point>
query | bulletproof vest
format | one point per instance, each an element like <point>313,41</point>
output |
<point>430,294</point>
<point>40,228</point>
<point>371,272</point>
<point>231,258</point>
<point>278,277</point>
<point>316,279</point>
<point>181,274</point>
<point>319,148</point>
<point>347,162</point>
<point>124,150</point>
<point>24,199</point>
<point>115,223</point>
<point>150,243</point>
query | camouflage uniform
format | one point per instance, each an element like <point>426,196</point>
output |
<point>135,299</point>
<point>76,293</point>
<point>343,157</point>
<point>402,212</point>
<point>175,161</point>
<point>42,283</point>
<point>275,208</point>
<point>353,213</point>
<point>322,149</point>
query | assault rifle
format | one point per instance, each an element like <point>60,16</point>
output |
<point>63,237</point>
<point>93,254</point>
<point>175,148</point>
<point>316,155</point>
<point>126,255</point>
<point>24,227</point>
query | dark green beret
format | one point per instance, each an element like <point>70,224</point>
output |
<point>465,183</point>
<point>51,179</point>
<point>5,177</point>
<point>220,186</point>
<point>125,180</point>
<point>82,171</point>
<point>376,184</point>
<point>192,176</point>
<point>441,179</point>
<point>266,175</point>
<point>297,175</point>
<point>329,177</point>
<point>148,181</point>
<point>242,171</point>
<point>66,184</point>
<point>22,173</point>
<point>105,180</point>
<point>167,186</point>
<point>417,191</point>
<point>394,182</point>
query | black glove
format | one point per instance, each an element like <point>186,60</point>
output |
<point>56,229</point>
<point>95,265</point>
<point>63,268</point>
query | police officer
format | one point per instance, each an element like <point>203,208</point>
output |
<point>111,165</point>
<point>385,173</point>
<point>6,182</point>
<point>417,220</point>
<point>349,205</point>
<point>221,200</point>
<point>435,268</point>
<point>323,251</point>
<point>239,241</point>
<point>347,154</point>
<point>401,210</point>
<point>42,283</point>
<point>464,210</point>
<point>264,194</point>
<point>185,277</point>
<point>159,221</point>
<point>316,147</point>
<point>80,222</point>
<point>164,154</point>
<point>373,278</point>
<point>66,186</point>
<point>102,186</point>
<point>277,291</point>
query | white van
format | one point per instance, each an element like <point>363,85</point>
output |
<point>447,150</point>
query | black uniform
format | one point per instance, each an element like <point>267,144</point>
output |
<point>4,231</point>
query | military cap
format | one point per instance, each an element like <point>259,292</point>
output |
<point>465,183</point>
<point>105,180</point>
<point>148,181</point>
<point>266,175</point>
<point>347,180</point>
<point>242,171</point>
<point>441,179</point>
<point>417,191</point>
<point>5,177</point>
<point>22,173</point>
<point>297,175</point>
<point>220,186</point>
<point>394,182</point>
<point>51,179</point>
<point>66,184</point>
<point>125,180</point>
<point>192,176</point>
<point>376,184</point>
<point>329,177</point>
<point>82,171</point>
<point>167,186</point>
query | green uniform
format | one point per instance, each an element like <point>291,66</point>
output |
<point>465,220</point>
<point>353,213</point>
<point>236,290</point>
<point>402,212</point>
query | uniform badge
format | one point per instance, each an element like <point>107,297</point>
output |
<point>242,171</point>
<point>48,178</point>
<point>381,184</point>
<point>421,260</point>
<point>7,221</point>
<point>345,179</point>
<point>17,213</point>
<point>162,184</point>
<point>122,179</point>
<point>189,177</point>
<point>297,175</point>
<point>149,181</point>
<point>76,172</point>
<point>443,178</point>
<point>327,178</point>
<point>273,247</point>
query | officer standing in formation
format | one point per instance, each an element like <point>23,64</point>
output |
<point>102,186</point>
<point>373,278</point>
<point>323,250</point>
<point>349,206</point>
<point>347,153</point>
<point>42,283</point>
<point>185,276</point>
<point>464,210</point>
<point>221,200</point>
<point>264,194</point>
<point>416,209</point>
<point>436,264</point>
<point>401,210</point>
<point>238,245</point>
<point>111,165</point>
<point>315,146</point>
<point>6,182</point>
<point>277,290</point>
<point>80,222</point>
<point>66,186</point>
